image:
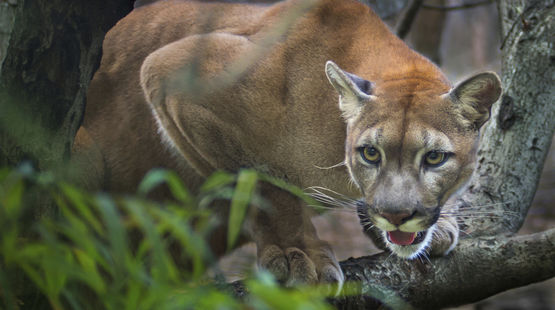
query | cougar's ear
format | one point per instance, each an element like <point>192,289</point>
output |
<point>475,96</point>
<point>353,91</point>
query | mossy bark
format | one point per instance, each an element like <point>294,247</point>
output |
<point>49,52</point>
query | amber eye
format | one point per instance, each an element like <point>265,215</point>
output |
<point>435,158</point>
<point>370,154</point>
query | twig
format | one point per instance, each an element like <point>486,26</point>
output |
<point>406,20</point>
<point>455,7</point>
<point>519,19</point>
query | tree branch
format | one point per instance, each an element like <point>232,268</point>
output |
<point>476,269</point>
<point>455,7</point>
<point>407,18</point>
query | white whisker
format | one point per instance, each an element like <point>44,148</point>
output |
<point>480,215</point>
<point>332,208</point>
<point>321,190</point>
<point>322,194</point>
<point>368,226</point>
<point>478,206</point>
<point>331,167</point>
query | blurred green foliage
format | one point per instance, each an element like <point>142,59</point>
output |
<point>85,257</point>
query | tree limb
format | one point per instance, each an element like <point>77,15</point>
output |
<point>476,269</point>
<point>407,18</point>
<point>455,7</point>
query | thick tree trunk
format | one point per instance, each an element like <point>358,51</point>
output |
<point>49,51</point>
<point>517,138</point>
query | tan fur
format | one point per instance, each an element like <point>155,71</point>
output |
<point>198,87</point>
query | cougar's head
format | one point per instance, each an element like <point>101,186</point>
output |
<point>411,144</point>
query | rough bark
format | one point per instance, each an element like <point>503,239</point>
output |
<point>516,140</point>
<point>49,51</point>
<point>478,268</point>
<point>7,15</point>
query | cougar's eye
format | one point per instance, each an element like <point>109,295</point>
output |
<point>435,158</point>
<point>370,154</point>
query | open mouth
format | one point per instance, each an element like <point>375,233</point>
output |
<point>405,238</point>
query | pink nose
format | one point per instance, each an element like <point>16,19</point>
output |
<point>396,218</point>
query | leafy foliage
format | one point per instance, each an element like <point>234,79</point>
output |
<point>104,252</point>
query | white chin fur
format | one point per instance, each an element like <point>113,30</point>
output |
<point>410,251</point>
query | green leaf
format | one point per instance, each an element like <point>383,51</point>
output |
<point>163,267</point>
<point>79,199</point>
<point>11,196</point>
<point>192,242</point>
<point>246,183</point>
<point>151,180</point>
<point>217,180</point>
<point>116,232</point>
<point>157,177</point>
<point>8,300</point>
<point>89,267</point>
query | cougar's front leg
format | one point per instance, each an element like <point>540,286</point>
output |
<point>287,243</point>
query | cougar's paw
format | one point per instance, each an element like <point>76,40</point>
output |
<point>445,237</point>
<point>293,266</point>
<point>273,259</point>
<point>302,269</point>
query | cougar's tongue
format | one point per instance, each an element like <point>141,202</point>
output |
<point>401,237</point>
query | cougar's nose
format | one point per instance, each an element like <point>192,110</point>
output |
<point>397,218</point>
